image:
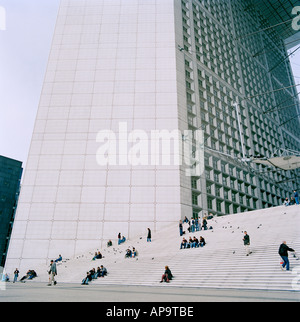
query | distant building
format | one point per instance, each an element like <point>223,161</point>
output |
<point>10,177</point>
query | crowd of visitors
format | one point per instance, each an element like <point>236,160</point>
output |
<point>97,255</point>
<point>294,200</point>
<point>193,225</point>
<point>131,253</point>
<point>93,274</point>
<point>192,243</point>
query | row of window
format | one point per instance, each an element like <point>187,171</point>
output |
<point>213,81</point>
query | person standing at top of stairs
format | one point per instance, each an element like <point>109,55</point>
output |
<point>296,196</point>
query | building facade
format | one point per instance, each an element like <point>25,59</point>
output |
<point>10,177</point>
<point>235,57</point>
<point>138,123</point>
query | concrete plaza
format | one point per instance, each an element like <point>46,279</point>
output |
<point>40,292</point>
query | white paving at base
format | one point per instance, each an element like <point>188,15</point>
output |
<point>222,263</point>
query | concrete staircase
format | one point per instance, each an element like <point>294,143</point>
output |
<point>222,263</point>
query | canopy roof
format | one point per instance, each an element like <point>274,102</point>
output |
<point>284,163</point>
<point>282,159</point>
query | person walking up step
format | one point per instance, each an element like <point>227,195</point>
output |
<point>283,252</point>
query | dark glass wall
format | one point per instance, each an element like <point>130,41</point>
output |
<point>10,178</point>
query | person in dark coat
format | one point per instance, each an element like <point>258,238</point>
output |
<point>283,252</point>
<point>149,235</point>
<point>202,242</point>
<point>180,228</point>
<point>167,277</point>
<point>87,279</point>
<point>246,240</point>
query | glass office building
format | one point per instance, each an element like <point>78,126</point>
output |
<point>235,55</point>
<point>10,177</point>
<point>127,71</point>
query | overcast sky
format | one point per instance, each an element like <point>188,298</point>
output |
<point>24,51</point>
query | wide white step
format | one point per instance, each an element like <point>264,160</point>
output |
<point>222,263</point>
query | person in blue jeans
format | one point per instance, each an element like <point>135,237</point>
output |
<point>183,243</point>
<point>296,196</point>
<point>16,275</point>
<point>283,252</point>
<point>180,228</point>
<point>149,236</point>
<point>121,241</point>
<point>192,226</point>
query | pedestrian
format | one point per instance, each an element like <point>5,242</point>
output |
<point>296,196</point>
<point>283,252</point>
<point>202,242</point>
<point>192,226</point>
<point>180,228</point>
<point>167,275</point>
<point>246,240</point>
<point>16,275</point>
<point>149,236</point>
<point>103,271</point>
<point>287,202</point>
<point>87,279</point>
<point>59,259</point>
<point>121,240</point>
<point>52,273</point>
<point>183,243</point>
<point>128,253</point>
<point>134,252</point>
<point>5,277</point>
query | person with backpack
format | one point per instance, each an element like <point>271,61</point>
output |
<point>283,252</point>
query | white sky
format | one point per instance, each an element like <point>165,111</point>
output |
<point>24,50</point>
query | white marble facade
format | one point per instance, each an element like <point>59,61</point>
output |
<point>111,61</point>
